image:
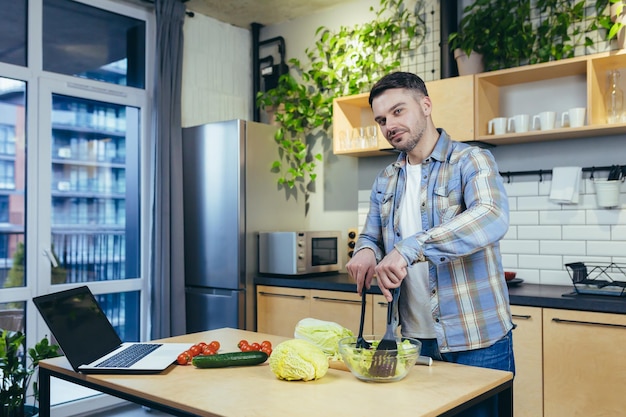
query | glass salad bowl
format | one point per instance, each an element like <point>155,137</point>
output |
<point>360,360</point>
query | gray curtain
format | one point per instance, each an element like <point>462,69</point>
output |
<point>167,311</point>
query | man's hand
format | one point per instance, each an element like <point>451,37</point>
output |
<point>361,268</point>
<point>390,272</point>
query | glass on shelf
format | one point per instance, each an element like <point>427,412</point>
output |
<point>614,99</point>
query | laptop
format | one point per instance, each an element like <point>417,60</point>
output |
<point>89,341</point>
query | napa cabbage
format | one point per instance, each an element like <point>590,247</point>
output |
<point>324,334</point>
<point>298,360</point>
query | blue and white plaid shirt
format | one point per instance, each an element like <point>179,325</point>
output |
<point>465,212</point>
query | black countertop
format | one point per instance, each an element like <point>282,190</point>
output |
<point>532,295</point>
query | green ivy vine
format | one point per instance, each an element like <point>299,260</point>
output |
<point>343,62</point>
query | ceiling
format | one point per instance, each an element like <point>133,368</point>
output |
<point>266,12</point>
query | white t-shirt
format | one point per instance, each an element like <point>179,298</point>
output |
<point>414,305</point>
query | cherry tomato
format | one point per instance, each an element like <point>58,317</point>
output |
<point>267,350</point>
<point>208,351</point>
<point>201,345</point>
<point>241,343</point>
<point>195,350</point>
<point>255,346</point>
<point>266,343</point>
<point>215,345</point>
<point>183,358</point>
<point>245,348</point>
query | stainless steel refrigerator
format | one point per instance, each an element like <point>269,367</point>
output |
<point>229,196</point>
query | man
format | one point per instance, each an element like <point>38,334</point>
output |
<point>433,228</point>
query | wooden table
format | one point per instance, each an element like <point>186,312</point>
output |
<point>443,389</point>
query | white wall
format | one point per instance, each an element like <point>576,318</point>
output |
<point>217,72</point>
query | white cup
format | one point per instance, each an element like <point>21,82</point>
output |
<point>497,126</point>
<point>520,123</point>
<point>546,120</point>
<point>575,116</point>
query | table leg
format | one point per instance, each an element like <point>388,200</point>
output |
<point>44,393</point>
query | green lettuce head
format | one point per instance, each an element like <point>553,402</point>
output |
<point>298,360</point>
<point>324,334</point>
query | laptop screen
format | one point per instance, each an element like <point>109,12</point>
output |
<point>78,324</point>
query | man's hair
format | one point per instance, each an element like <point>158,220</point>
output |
<point>405,80</point>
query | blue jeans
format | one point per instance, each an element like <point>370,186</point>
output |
<point>497,356</point>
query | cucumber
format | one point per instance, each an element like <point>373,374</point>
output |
<point>223,360</point>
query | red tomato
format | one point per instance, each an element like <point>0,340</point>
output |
<point>255,346</point>
<point>183,358</point>
<point>266,343</point>
<point>241,343</point>
<point>267,350</point>
<point>215,345</point>
<point>245,348</point>
<point>208,350</point>
<point>195,350</point>
<point>201,345</point>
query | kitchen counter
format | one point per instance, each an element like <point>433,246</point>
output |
<point>532,295</point>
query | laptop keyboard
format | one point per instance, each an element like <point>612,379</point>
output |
<point>129,356</point>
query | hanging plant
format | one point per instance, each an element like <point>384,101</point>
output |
<point>343,62</point>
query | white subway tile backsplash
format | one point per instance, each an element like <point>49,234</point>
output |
<point>509,261</point>
<point>595,232</point>
<point>606,248</point>
<point>550,277</point>
<point>536,203</point>
<point>608,216</point>
<point>523,217</point>
<point>562,247</point>
<point>521,189</point>
<point>618,232</point>
<point>519,246</point>
<point>541,262</point>
<point>539,232</point>
<point>562,217</point>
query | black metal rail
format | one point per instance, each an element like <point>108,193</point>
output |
<point>542,172</point>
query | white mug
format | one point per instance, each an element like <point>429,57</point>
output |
<point>520,123</point>
<point>497,126</point>
<point>546,120</point>
<point>575,116</point>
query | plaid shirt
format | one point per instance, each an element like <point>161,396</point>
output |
<point>464,215</point>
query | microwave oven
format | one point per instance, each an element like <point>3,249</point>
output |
<point>298,253</point>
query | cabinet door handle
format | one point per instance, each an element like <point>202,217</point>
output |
<point>273,294</point>
<point>336,300</point>
<point>588,323</point>
<point>522,316</point>
<point>383,304</point>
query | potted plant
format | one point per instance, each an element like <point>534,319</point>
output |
<point>17,372</point>
<point>615,21</point>
<point>499,30</point>
<point>343,62</point>
<point>503,32</point>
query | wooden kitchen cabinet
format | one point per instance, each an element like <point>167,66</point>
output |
<point>452,109</point>
<point>583,363</point>
<point>279,309</point>
<point>341,307</point>
<point>527,347</point>
<point>380,314</point>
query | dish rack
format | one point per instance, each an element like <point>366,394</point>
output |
<point>598,278</point>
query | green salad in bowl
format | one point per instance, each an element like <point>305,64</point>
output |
<point>359,360</point>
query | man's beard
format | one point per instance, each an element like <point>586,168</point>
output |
<point>413,141</point>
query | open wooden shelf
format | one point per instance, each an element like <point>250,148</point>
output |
<point>464,105</point>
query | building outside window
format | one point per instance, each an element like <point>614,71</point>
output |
<point>73,93</point>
